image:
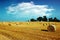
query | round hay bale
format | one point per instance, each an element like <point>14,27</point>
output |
<point>51,28</point>
<point>9,24</point>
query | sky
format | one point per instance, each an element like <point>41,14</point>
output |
<point>24,10</point>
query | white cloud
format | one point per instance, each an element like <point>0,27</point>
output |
<point>29,9</point>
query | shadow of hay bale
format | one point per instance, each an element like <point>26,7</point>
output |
<point>44,30</point>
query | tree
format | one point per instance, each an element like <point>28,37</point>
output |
<point>50,19</point>
<point>44,18</point>
<point>39,19</point>
<point>32,20</point>
<point>56,20</point>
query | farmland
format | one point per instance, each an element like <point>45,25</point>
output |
<point>28,31</point>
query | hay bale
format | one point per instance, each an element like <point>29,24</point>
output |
<point>9,24</point>
<point>46,23</point>
<point>43,25</point>
<point>51,28</point>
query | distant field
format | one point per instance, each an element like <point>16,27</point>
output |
<point>28,31</point>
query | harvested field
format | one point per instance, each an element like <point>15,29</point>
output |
<point>28,31</point>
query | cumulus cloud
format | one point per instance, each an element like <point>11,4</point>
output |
<point>29,9</point>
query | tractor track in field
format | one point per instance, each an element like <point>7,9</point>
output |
<point>29,36</point>
<point>40,36</point>
<point>9,36</point>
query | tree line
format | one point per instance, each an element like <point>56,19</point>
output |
<point>44,18</point>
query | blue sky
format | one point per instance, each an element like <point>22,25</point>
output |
<point>23,10</point>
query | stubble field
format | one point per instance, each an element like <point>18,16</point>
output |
<point>28,31</point>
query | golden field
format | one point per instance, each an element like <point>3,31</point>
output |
<point>28,31</point>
